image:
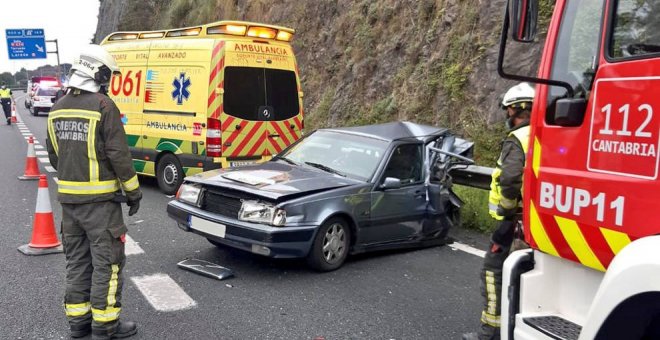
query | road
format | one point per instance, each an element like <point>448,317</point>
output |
<point>421,294</point>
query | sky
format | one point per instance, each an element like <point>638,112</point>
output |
<point>71,22</point>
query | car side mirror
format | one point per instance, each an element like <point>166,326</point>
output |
<point>570,111</point>
<point>524,16</point>
<point>391,183</point>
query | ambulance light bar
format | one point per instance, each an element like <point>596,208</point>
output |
<point>123,36</point>
<point>188,32</point>
<point>151,35</point>
<point>251,31</point>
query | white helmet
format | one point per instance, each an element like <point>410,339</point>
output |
<point>97,63</point>
<point>519,96</point>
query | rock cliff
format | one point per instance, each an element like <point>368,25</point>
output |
<point>365,61</point>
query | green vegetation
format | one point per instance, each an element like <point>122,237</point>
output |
<point>474,213</point>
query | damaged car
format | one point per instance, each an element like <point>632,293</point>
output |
<point>335,192</point>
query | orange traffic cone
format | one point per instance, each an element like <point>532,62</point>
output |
<point>44,239</point>
<point>31,167</point>
<point>13,113</point>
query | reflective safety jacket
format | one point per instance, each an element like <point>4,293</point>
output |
<point>506,183</point>
<point>5,94</point>
<point>87,145</point>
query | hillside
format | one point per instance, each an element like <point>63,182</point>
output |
<point>361,62</point>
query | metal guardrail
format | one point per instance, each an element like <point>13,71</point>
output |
<point>474,176</point>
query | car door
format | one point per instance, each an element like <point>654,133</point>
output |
<point>398,213</point>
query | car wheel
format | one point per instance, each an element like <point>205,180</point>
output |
<point>34,111</point>
<point>169,174</point>
<point>330,247</point>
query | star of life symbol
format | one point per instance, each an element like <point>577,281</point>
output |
<point>181,85</point>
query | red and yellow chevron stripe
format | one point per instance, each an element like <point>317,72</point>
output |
<point>592,246</point>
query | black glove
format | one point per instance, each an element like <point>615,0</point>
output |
<point>134,207</point>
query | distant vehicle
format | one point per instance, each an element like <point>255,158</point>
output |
<point>332,193</point>
<point>43,99</point>
<point>32,86</point>
<point>200,98</point>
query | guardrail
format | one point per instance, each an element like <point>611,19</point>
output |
<point>474,176</point>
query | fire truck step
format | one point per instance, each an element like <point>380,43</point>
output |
<point>555,327</point>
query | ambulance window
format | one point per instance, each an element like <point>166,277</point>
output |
<point>248,88</point>
<point>576,50</point>
<point>635,29</point>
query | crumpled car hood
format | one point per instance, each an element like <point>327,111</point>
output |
<point>272,180</point>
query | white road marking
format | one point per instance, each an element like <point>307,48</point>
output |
<point>56,180</point>
<point>50,168</point>
<point>44,160</point>
<point>36,141</point>
<point>131,247</point>
<point>467,249</point>
<point>163,293</point>
<point>28,133</point>
<point>28,137</point>
<point>38,147</point>
<point>41,153</point>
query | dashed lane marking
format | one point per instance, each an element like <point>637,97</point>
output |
<point>41,153</point>
<point>38,147</point>
<point>131,247</point>
<point>50,168</point>
<point>467,249</point>
<point>44,159</point>
<point>163,293</point>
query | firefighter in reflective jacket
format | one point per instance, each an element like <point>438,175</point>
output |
<point>87,145</point>
<point>504,203</point>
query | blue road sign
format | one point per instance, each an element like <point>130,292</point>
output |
<point>26,43</point>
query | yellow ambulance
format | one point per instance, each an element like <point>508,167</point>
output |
<point>198,98</point>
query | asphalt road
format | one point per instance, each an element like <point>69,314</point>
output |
<point>421,294</point>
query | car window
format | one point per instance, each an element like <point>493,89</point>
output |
<point>355,156</point>
<point>405,164</point>
<point>46,91</point>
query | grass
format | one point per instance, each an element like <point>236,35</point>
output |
<point>474,213</point>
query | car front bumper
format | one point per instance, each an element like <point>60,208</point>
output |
<point>277,242</point>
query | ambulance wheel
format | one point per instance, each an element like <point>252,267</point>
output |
<point>169,174</point>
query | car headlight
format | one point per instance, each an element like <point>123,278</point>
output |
<point>189,193</point>
<point>254,211</point>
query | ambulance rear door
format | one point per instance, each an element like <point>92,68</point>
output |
<point>262,107</point>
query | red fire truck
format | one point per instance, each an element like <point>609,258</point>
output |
<point>591,186</point>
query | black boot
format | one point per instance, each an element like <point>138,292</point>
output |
<point>124,329</point>
<point>79,331</point>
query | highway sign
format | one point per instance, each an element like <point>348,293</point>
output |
<point>26,43</point>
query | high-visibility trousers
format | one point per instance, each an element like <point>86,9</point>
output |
<point>93,236</point>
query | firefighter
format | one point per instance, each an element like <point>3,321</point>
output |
<point>87,145</point>
<point>5,100</point>
<point>504,204</point>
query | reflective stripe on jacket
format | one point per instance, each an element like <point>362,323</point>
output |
<point>520,136</point>
<point>87,145</point>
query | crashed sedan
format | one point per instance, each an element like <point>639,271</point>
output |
<point>333,193</point>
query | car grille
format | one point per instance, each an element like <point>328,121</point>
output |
<point>226,203</point>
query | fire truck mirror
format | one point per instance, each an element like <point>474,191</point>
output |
<point>524,15</point>
<point>570,111</point>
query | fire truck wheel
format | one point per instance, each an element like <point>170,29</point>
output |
<point>169,174</point>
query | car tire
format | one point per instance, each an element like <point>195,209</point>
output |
<point>34,111</point>
<point>169,174</point>
<point>331,245</point>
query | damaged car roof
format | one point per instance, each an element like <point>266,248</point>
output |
<point>395,131</point>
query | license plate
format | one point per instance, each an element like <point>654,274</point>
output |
<point>241,163</point>
<point>211,228</point>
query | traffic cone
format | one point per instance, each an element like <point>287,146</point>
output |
<point>13,113</point>
<point>31,167</point>
<point>44,239</point>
